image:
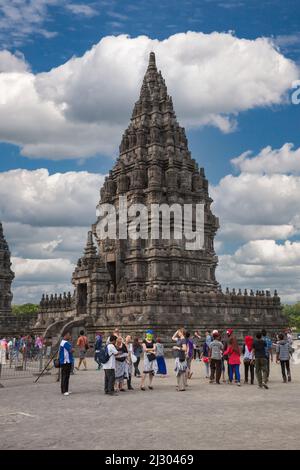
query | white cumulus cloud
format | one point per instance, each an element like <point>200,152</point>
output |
<point>282,160</point>
<point>80,108</point>
<point>40,199</point>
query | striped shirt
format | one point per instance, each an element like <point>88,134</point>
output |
<point>283,350</point>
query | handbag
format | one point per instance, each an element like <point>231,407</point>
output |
<point>151,357</point>
<point>133,357</point>
<point>56,363</point>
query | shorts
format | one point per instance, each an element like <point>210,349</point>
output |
<point>82,353</point>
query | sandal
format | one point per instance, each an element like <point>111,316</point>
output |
<point>143,389</point>
<point>150,388</point>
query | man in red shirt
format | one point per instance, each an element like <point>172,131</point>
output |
<point>83,345</point>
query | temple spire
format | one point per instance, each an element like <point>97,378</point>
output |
<point>152,62</point>
<point>6,275</point>
<point>3,243</point>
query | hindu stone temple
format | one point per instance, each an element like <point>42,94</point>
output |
<point>140,283</point>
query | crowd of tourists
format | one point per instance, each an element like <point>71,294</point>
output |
<point>21,348</point>
<point>222,355</point>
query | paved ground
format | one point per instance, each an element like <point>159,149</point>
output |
<point>36,416</point>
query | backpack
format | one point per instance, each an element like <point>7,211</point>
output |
<point>103,355</point>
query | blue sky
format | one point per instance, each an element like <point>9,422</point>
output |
<point>76,33</point>
<point>45,34</point>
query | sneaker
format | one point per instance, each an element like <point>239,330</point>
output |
<point>238,384</point>
<point>66,394</point>
<point>265,385</point>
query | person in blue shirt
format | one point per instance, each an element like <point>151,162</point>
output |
<point>268,350</point>
<point>66,361</point>
<point>98,346</point>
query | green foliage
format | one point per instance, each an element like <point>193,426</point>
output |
<point>25,309</point>
<point>293,314</point>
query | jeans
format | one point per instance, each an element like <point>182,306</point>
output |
<point>215,368</point>
<point>65,377</point>
<point>97,359</point>
<point>261,370</point>
<point>268,366</point>
<point>249,366</point>
<point>236,369</point>
<point>109,382</point>
<point>285,365</point>
<point>197,351</point>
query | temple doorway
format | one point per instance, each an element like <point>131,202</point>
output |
<point>82,298</point>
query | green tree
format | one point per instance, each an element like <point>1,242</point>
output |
<point>293,314</point>
<point>25,309</point>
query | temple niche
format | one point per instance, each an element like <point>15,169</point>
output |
<point>158,283</point>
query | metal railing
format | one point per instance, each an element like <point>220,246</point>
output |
<point>22,364</point>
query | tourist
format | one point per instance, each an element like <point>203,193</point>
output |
<point>234,361</point>
<point>16,348</point>
<point>65,361</point>
<point>215,355</point>
<point>39,343</point>
<point>98,346</point>
<point>268,350</point>
<point>160,359</point>
<point>83,345</point>
<point>120,364</point>
<point>137,351</point>
<point>205,358</point>
<point>283,356</point>
<point>197,345</point>
<point>208,339</point>
<point>116,333</point>
<point>10,345</point>
<point>128,362</point>
<point>189,355</point>
<point>109,366</point>
<point>259,354</point>
<point>248,359</point>
<point>289,336</point>
<point>150,363</point>
<point>224,360</point>
<point>180,353</point>
<point>3,353</point>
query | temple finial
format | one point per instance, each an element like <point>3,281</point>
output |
<point>90,249</point>
<point>152,63</point>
